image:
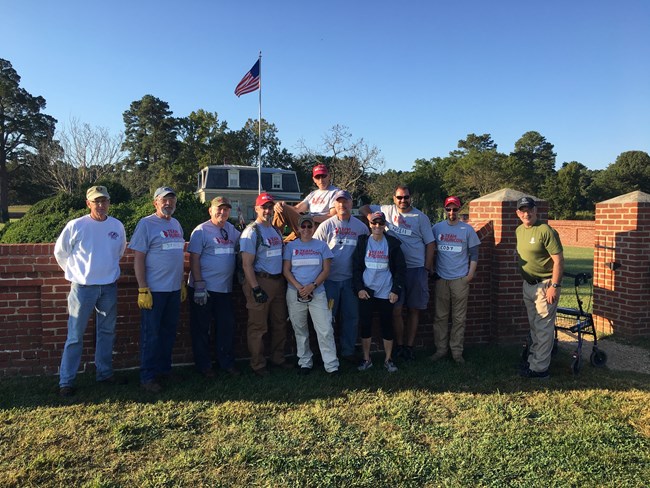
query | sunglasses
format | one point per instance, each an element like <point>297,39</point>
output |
<point>318,177</point>
<point>224,233</point>
<point>377,223</point>
<point>307,226</point>
<point>449,209</point>
<point>404,197</point>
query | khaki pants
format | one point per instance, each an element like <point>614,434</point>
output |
<point>541,317</point>
<point>451,295</point>
<point>261,316</point>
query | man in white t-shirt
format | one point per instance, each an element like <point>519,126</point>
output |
<point>89,251</point>
<point>319,204</point>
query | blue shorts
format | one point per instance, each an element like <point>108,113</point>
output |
<point>416,289</point>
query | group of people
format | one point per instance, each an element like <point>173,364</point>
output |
<point>332,267</point>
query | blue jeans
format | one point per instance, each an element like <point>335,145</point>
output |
<point>219,309</point>
<point>82,301</point>
<point>157,334</point>
<point>346,308</point>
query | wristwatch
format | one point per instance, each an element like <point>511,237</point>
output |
<point>556,285</point>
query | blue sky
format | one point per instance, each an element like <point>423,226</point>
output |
<point>411,77</point>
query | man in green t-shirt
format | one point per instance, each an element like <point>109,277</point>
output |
<point>541,264</point>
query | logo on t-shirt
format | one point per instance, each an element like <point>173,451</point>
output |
<point>449,238</point>
<point>170,234</point>
<point>113,235</point>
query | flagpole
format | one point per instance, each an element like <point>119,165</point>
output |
<point>259,134</point>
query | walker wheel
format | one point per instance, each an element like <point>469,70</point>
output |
<point>598,358</point>
<point>576,364</point>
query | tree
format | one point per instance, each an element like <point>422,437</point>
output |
<point>80,156</point>
<point>568,191</point>
<point>350,161</point>
<point>22,129</point>
<point>476,168</point>
<point>382,186</point>
<point>151,139</point>
<point>272,155</point>
<point>535,160</point>
<point>630,172</point>
<point>426,183</point>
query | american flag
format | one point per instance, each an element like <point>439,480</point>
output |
<point>250,82</point>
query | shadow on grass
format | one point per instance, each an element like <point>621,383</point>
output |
<point>489,369</point>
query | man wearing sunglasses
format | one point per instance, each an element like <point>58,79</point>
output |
<point>456,260</point>
<point>212,265</point>
<point>413,229</point>
<point>319,204</point>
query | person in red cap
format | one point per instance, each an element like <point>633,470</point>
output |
<point>456,260</point>
<point>319,204</point>
<point>264,287</point>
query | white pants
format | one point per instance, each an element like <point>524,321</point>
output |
<point>321,316</point>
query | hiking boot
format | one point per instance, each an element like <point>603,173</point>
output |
<point>438,356</point>
<point>408,354</point>
<point>365,365</point>
<point>529,373</point>
<point>390,366</point>
<point>67,391</point>
<point>304,371</point>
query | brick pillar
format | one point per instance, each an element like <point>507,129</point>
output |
<point>622,265</point>
<point>509,322</point>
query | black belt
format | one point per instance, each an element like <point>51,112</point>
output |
<point>536,281</point>
<point>267,275</point>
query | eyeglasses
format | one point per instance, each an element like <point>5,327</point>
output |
<point>403,197</point>
<point>224,233</point>
<point>318,177</point>
<point>450,209</point>
<point>377,223</point>
<point>307,226</point>
<point>104,201</point>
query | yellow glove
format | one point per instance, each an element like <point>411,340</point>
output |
<point>183,292</point>
<point>145,299</point>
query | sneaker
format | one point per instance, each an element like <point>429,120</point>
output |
<point>529,373</point>
<point>67,391</point>
<point>408,354</point>
<point>459,359</point>
<point>390,366</point>
<point>151,387</point>
<point>365,365</point>
<point>304,371</point>
<point>398,351</point>
<point>333,373</point>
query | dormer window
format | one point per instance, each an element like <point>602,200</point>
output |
<point>233,178</point>
<point>276,181</point>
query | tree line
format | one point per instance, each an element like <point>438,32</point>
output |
<point>38,160</point>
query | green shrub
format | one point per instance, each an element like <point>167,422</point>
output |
<point>45,220</point>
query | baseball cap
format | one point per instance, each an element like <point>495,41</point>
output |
<point>97,192</point>
<point>379,215</point>
<point>320,169</point>
<point>342,194</point>
<point>453,200</point>
<point>218,201</point>
<point>264,198</point>
<point>525,202</point>
<point>163,191</point>
<point>305,218</point>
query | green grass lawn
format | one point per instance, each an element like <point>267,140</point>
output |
<point>577,260</point>
<point>426,425</point>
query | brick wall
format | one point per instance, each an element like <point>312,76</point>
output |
<point>622,265</point>
<point>575,233</point>
<point>33,292</point>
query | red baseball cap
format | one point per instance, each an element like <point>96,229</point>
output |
<point>320,169</point>
<point>454,200</point>
<point>264,198</point>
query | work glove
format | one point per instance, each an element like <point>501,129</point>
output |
<point>183,291</point>
<point>200,293</point>
<point>260,295</point>
<point>145,299</point>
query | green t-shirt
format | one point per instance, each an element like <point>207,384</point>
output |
<point>535,246</point>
